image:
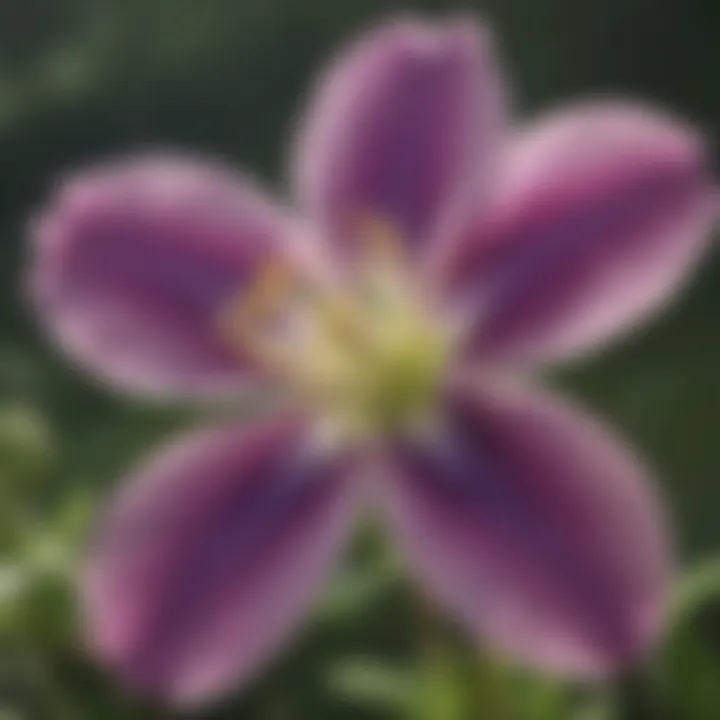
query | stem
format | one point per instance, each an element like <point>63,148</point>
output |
<point>472,684</point>
<point>488,696</point>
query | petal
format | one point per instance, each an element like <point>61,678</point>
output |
<point>399,128</point>
<point>211,556</point>
<point>535,529</point>
<point>133,262</point>
<point>600,213</point>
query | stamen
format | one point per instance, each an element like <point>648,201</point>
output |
<point>247,321</point>
<point>366,351</point>
<point>267,295</point>
<point>342,322</point>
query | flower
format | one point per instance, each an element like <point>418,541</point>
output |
<point>438,252</point>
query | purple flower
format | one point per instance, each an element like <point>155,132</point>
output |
<point>441,253</point>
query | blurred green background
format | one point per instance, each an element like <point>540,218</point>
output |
<point>85,78</point>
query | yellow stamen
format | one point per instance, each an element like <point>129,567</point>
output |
<point>366,352</point>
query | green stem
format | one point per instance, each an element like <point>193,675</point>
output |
<point>461,685</point>
<point>488,692</point>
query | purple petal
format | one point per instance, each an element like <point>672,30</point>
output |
<point>212,555</point>
<point>536,530</point>
<point>399,128</point>
<point>600,213</point>
<point>134,261</point>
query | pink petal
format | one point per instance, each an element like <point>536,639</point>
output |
<point>212,555</point>
<point>133,262</point>
<point>535,528</point>
<point>600,214</point>
<point>400,128</point>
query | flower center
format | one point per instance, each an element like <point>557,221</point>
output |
<point>368,352</point>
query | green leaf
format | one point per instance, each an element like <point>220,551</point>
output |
<point>27,446</point>
<point>368,682</point>
<point>688,671</point>
<point>442,694</point>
